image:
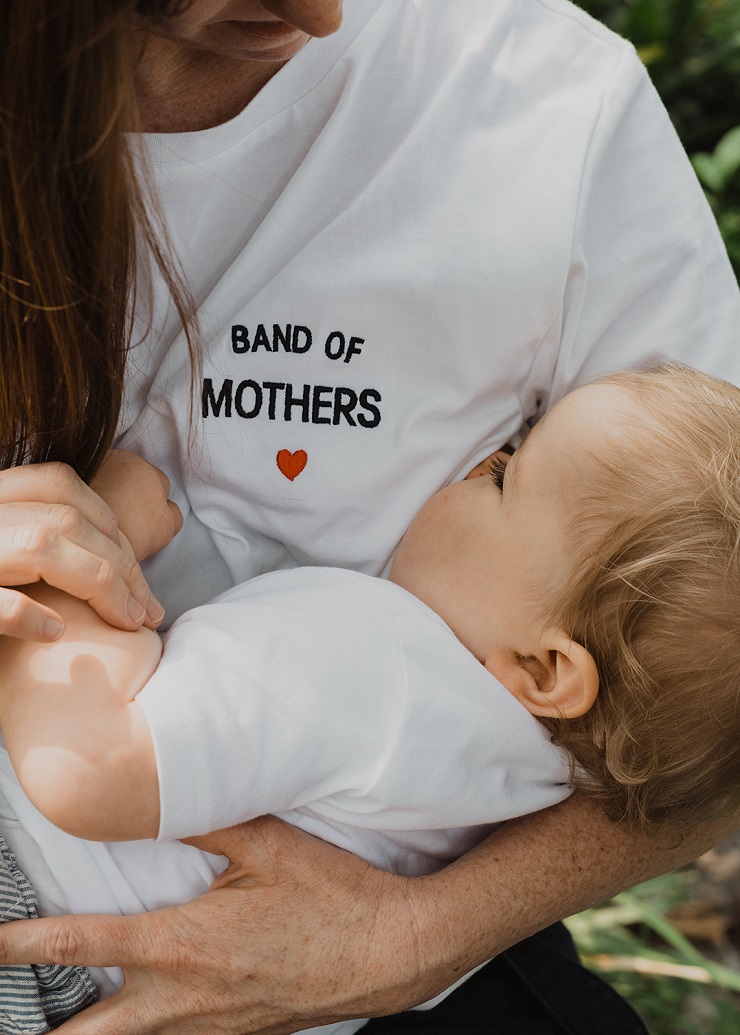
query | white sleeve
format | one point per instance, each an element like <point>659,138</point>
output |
<point>649,277</point>
<point>259,705</point>
<point>312,688</point>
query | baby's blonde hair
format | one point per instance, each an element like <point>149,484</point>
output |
<point>656,600</point>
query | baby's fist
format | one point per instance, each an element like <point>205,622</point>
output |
<point>137,493</point>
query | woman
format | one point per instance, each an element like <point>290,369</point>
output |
<point>402,242</point>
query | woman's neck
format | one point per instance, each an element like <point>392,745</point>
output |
<point>181,90</point>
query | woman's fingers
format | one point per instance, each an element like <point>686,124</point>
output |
<point>71,555</point>
<point>57,483</point>
<point>56,544</point>
<point>272,948</point>
<point>91,940</point>
<point>95,941</point>
<point>115,1016</point>
<point>54,527</point>
<point>155,951</point>
<point>26,619</point>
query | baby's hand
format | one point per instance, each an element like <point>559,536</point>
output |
<point>137,493</point>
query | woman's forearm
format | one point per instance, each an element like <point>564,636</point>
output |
<point>369,943</point>
<point>79,746</point>
<point>536,870</point>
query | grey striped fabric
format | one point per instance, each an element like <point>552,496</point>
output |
<point>34,999</point>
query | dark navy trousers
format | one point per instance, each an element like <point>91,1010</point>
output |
<point>538,987</point>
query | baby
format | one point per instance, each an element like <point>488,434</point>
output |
<point>583,593</point>
<point>601,586</point>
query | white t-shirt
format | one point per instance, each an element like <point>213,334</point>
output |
<point>416,238</point>
<point>336,700</point>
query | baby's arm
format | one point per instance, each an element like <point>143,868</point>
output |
<point>76,737</point>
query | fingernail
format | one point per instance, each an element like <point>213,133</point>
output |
<point>52,629</point>
<point>154,610</point>
<point>135,611</point>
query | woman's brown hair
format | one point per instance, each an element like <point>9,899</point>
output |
<point>72,215</point>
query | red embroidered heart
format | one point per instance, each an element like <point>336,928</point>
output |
<point>291,464</point>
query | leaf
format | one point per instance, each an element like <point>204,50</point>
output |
<point>706,169</point>
<point>651,53</point>
<point>727,155</point>
<point>648,21</point>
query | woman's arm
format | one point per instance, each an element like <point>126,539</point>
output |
<point>370,943</point>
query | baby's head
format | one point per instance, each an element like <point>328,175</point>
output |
<point>655,599</point>
<point>600,582</point>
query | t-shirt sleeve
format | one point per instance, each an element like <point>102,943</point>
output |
<point>259,705</point>
<point>344,696</point>
<point>649,277</point>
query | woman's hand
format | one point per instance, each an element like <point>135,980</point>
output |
<point>298,933</point>
<point>56,528</point>
<point>294,934</point>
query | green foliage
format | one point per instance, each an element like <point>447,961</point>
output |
<point>670,1007</point>
<point>642,954</point>
<point>691,49</point>
<point>719,173</point>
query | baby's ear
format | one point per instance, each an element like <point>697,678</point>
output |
<point>560,681</point>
